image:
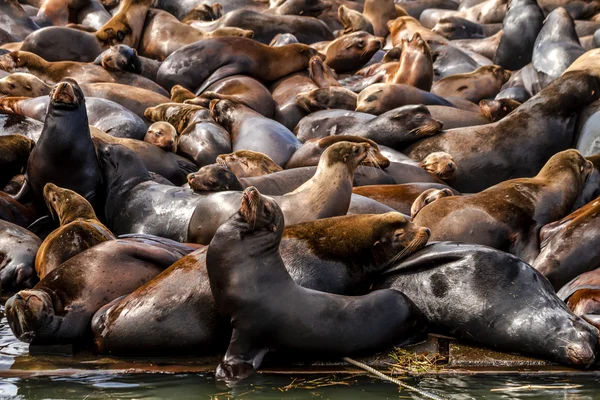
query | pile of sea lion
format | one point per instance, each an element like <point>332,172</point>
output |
<point>318,178</point>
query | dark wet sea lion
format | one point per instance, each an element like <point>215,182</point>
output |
<point>203,141</point>
<point>79,229</point>
<point>310,152</point>
<point>285,94</point>
<point>403,28</point>
<point>381,97</point>
<point>64,153</point>
<point>503,293</point>
<point>266,63</point>
<point>416,65</point>
<point>327,123</point>
<point>352,51</point>
<point>485,12</point>
<point>259,224</point>
<point>495,110</point>
<point>428,197</point>
<point>53,72</point>
<point>18,248</point>
<point>15,20</point>
<point>60,307</point>
<point>250,130</point>
<point>163,135</point>
<point>123,58</point>
<point>14,153</point>
<point>485,82</point>
<point>12,124</point>
<point>520,27</point>
<point>569,247</point>
<point>59,43</point>
<point>399,197</point>
<point>194,217</point>
<point>449,60</point>
<point>545,124</point>
<point>509,215</point>
<point>247,163</point>
<point>587,132</point>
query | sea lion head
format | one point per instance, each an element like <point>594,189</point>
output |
<point>353,21</point>
<point>23,84</point>
<point>352,51</point>
<point>416,44</point>
<point>260,214</point>
<point>163,135</point>
<point>305,51</point>
<point>348,153</point>
<point>495,110</point>
<point>499,73</point>
<point>580,341</point>
<point>440,164</point>
<point>31,315</point>
<point>15,61</point>
<point>428,197</point>
<point>120,58</point>
<point>67,95</point>
<point>397,238</point>
<point>326,98</point>
<point>121,165</point>
<point>374,156</point>
<point>214,178</point>
<point>247,163</point>
<point>452,28</point>
<point>67,204</point>
<point>416,119</point>
<point>283,39</point>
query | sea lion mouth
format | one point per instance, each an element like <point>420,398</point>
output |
<point>23,309</point>
<point>249,207</point>
<point>64,94</point>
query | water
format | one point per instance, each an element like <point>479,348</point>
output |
<point>98,384</point>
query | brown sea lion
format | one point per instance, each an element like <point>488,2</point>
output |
<point>440,164</point>
<point>18,248</point>
<point>481,50</point>
<point>399,197</point>
<point>60,307</point>
<point>352,51</point>
<point>247,163</point>
<point>483,83</point>
<point>220,58</point>
<point>582,296</point>
<point>26,85</point>
<point>14,212</point>
<point>379,12</point>
<point>404,28</point>
<point>334,97</point>
<point>495,110</point>
<point>354,21</point>
<point>381,97</point>
<point>321,74</point>
<point>179,94</point>
<point>509,215</point>
<point>428,197</point>
<point>214,178</point>
<point>14,153</point>
<point>126,26</point>
<point>79,229</point>
<point>123,58</point>
<point>163,135</point>
<point>180,116</point>
<point>415,67</point>
<point>59,43</point>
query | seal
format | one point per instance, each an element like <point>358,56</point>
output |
<point>520,27</point>
<point>379,12</point>
<point>247,163</point>
<point>381,97</point>
<point>250,130</point>
<point>428,197</point>
<point>415,67</point>
<point>352,51</point>
<point>163,135</point>
<point>214,178</point>
<point>126,25</point>
<point>544,125</point>
<point>19,84</point>
<point>199,65</point>
<point>18,247</point>
<point>485,82</point>
<point>504,293</point>
<point>567,246</point>
<point>54,159</point>
<point>79,229</point>
<point>259,223</point>
<point>203,141</point>
<point>490,217</point>
<point>123,58</point>
<point>495,110</point>
<point>334,97</point>
<point>399,197</point>
<point>14,153</point>
<point>193,217</point>
<point>59,309</point>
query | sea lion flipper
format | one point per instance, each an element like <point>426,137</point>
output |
<point>220,73</point>
<point>241,358</point>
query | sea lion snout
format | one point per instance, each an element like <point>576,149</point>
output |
<point>581,354</point>
<point>64,93</point>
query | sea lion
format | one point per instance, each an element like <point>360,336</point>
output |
<point>123,58</point>
<point>455,28</point>
<point>163,34</point>
<point>126,25</point>
<point>18,247</point>
<point>14,153</point>
<point>246,126</point>
<point>440,164</point>
<point>60,307</point>
<point>504,294</point>
<point>520,28</point>
<point>568,246</point>
<point>327,123</point>
<point>285,94</point>
<point>334,97</point>
<point>79,229</point>
<point>586,130</point>
<point>163,135</point>
<point>19,84</point>
<point>404,28</point>
<point>379,12</point>
<point>381,97</point>
<point>13,211</point>
<point>495,110</point>
<point>416,65</point>
<point>60,43</point>
<point>581,296</point>
<point>486,12</point>
<point>310,152</point>
<point>352,51</point>
<point>399,197</point>
<point>132,195</point>
<point>283,39</point>
<point>64,153</point>
<point>354,21</point>
<point>259,223</point>
<point>214,178</point>
<point>219,58</point>
<point>539,128</point>
<point>428,197</point>
<point>247,163</point>
<point>485,82</point>
<point>179,94</point>
<point>179,115</point>
<point>398,127</point>
<point>321,74</point>
<point>509,215</point>
<point>202,141</point>
<point>53,72</point>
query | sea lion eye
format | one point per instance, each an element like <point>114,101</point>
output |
<point>157,133</point>
<point>354,149</point>
<point>399,234</point>
<point>361,44</point>
<point>120,35</point>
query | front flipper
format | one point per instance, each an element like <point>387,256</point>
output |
<point>220,73</point>
<point>242,358</point>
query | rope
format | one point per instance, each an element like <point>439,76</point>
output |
<point>390,379</point>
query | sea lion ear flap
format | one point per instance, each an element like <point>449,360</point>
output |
<point>212,104</point>
<point>377,243</point>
